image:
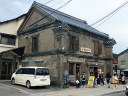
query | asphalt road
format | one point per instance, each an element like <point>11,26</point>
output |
<point>6,91</point>
<point>116,94</point>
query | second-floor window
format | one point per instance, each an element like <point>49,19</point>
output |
<point>97,48</point>
<point>7,39</point>
<point>35,44</point>
<point>74,43</point>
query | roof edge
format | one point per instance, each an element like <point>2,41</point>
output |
<point>13,19</point>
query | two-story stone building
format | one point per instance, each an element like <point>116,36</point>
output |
<point>63,43</point>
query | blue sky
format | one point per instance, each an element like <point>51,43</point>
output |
<point>88,10</point>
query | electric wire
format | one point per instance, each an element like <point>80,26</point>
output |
<point>110,13</point>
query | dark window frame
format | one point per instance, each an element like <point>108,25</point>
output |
<point>35,44</point>
<point>74,43</point>
<point>11,40</point>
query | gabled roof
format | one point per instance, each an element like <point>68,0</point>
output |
<point>125,51</point>
<point>60,16</point>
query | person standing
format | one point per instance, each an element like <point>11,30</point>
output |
<point>108,76</point>
<point>77,80</point>
<point>123,79</point>
<point>98,78</point>
<point>115,80</point>
<point>103,78</point>
<point>83,79</point>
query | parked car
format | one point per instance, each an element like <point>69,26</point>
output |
<point>126,91</point>
<point>31,76</point>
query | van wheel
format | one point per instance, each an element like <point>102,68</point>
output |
<point>28,84</point>
<point>13,81</point>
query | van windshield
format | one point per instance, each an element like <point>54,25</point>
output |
<point>42,71</point>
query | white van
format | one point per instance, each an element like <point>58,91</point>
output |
<point>31,76</point>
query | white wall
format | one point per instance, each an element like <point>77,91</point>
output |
<point>10,27</point>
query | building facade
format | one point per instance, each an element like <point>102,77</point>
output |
<point>64,44</point>
<point>9,60</point>
<point>123,62</point>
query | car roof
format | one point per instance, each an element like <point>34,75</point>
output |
<point>33,67</point>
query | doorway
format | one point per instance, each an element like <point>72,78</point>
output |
<point>77,68</point>
<point>93,71</point>
<point>6,70</point>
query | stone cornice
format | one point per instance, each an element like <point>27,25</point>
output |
<point>57,52</point>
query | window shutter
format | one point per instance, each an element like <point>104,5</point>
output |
<point>70,45</point>
<point>77,44</point>
<point>96,51</point>
<point>100,48</point>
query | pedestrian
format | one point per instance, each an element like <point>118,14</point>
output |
<point>78,80</point>
<point>108,76</point>
<point>98,78</point>
<point>123,79</point>
<point>103,78</point>
<point>83,79</point>
<point>115,80</point>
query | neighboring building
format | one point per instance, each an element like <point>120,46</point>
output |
<point>9,59</point>
<point>123,62</point>
<point>64,44</point>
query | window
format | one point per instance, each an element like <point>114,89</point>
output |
<point>42,71</point>
<point>35,44</point>
<point>122,62</point>
<point>71,69</point>
<point>8,40</point>
<point>20,71</point>
<point>97,48</point>
<point>30,71</point>
<point>74,43</point>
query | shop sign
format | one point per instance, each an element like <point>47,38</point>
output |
<point>83,49</point>
<point>91,80</point>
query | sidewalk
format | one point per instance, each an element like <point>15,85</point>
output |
<point>72,91</point>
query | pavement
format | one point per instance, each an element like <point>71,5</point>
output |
<point>99,91</point>
<point>71,91</point>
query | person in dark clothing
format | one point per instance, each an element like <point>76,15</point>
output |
<point>98,78</point>
<point>108,76</point>
<point>83,79</point>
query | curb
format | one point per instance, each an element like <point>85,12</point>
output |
<point>118,91</point>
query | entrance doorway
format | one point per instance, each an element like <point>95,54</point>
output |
<point>6,70</point>
<point>93,71</point>
<point>77,68</point>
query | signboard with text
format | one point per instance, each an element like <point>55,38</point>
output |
<point>91,80</point>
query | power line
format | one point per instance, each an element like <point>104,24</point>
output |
<point>110,13</point>
<point>48,2</point>
<point>106,19</point>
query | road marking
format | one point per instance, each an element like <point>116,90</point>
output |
<point>73,92</point>
<point>20,90</point>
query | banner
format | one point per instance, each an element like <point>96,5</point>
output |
<point>91,80</point>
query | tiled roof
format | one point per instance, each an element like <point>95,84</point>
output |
<point>110,41</point>
<point>68,19</point>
